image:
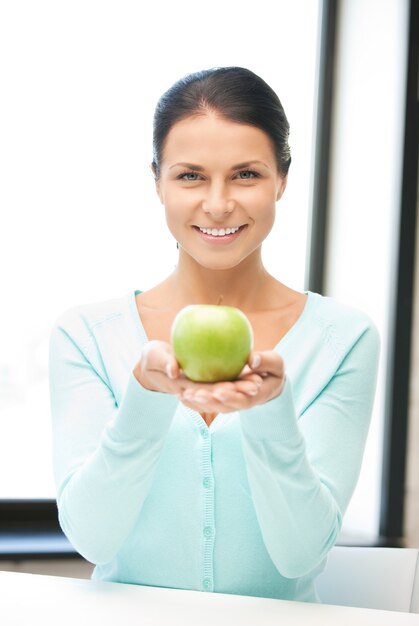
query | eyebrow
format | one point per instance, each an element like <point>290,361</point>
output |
<point>199,168</point>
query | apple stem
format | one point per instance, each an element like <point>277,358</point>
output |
<point>220,300</point>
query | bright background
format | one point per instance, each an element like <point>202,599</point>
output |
<point>81,219</point>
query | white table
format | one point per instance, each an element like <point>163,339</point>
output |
<point>50,600</point>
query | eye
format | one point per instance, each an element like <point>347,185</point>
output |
<point>194,176</point>
<point>188,176</point>
<point>248,174</point>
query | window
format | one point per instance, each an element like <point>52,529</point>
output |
<point>80,82</point>
<point>80,86</point>
<point>364,197</point>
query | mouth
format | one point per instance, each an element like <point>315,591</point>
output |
<point>220,232</point>
<point>220,236</point>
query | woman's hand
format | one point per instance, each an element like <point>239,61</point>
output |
<point>158,369</point>
<point>261,379</point>
<point>264,371</point>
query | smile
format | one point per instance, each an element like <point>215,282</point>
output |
<point>219,232</point>
<point>220,236</point>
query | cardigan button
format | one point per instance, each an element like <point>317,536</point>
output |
<point>208,531</point>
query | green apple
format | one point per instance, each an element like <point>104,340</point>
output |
<point>211,342</point>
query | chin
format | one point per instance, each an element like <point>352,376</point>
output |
<point>218,264</point>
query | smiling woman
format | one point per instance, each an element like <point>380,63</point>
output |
<point>235,486</point>
<point>217,196</point>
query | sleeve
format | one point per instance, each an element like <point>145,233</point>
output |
<point>302,472</point>
<point>104,455</point>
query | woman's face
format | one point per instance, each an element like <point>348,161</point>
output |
<point>219,183</point>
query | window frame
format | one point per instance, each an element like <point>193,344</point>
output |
<point>31,529</point>
<point>396,408</point>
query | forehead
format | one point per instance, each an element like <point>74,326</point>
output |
<point>210,138</point>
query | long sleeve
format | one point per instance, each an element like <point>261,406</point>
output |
<point>104,455</point>
<point>303,469</point>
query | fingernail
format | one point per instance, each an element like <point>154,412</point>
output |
<point>252,392</point>
<point>219,395</point>
<point>255,360</point>
<point>169,371</point>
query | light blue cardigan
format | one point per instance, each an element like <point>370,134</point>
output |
<point>250,505</point>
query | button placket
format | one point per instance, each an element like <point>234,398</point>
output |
<point>208,526</point>
<point>207,491</point>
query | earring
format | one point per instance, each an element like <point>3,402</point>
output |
<point>177,245</point>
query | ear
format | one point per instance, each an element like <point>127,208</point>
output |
<point>281,187</point>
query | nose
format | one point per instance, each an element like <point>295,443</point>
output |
<point>217,204</point>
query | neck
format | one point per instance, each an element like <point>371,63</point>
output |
<point>242,286</point>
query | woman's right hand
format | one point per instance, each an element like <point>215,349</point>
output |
<point>158,369</point>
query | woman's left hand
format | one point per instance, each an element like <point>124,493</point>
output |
<point>261,379</point>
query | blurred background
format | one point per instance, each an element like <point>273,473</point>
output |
<point>81,221</point>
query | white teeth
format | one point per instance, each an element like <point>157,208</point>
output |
<point>219,232</point>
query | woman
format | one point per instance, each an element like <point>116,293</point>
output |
<point>234,487</point>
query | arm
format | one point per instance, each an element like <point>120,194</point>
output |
<point>104,456</point>
<point>302,473</point>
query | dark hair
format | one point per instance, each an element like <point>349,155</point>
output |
<point>235,93</point>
